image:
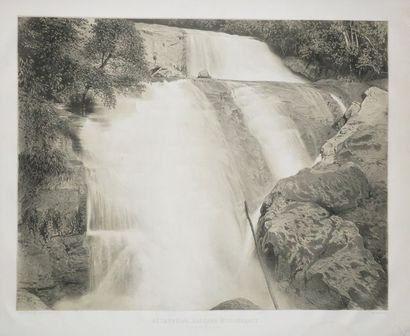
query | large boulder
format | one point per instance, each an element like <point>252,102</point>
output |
<point>236,304</point>
<point>321,256</point>
<point>204,74</point>
<point>334,187</point>
<point>323,231</point>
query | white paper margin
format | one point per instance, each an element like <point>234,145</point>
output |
<point>394,321</point>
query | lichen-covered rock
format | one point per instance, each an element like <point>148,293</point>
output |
<point>236,304</point>
<point>323,231</point>
<point>371,219</point>
<point>336,188</point>
<point>351,274</point>
<point>322,256</point>
<point>363,140</point>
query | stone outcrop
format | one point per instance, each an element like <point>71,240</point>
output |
<point>323,231</point>
<point>237,304</point>
<point>312,71</point>
<point>363,140</point>
<point>53,255</point>
<point>164,49</point>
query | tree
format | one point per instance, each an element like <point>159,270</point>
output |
<point>46,49</point>
<point>47,74</point>
<point>353,48</point>
<point>114,60</point>
<point>58,59</point>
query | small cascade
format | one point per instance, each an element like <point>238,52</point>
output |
<point>339,102</point>
<point>234,57</point>
<point>278,136</point>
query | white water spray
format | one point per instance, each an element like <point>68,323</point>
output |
<point>339,102</point>
<point>164,175</point>
<point>166,226</point>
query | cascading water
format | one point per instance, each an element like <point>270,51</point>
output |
<point>339,102</point>
<point>166,226</point>
<point>282,146</point>
<point>164,175</point>
<point>234,57</point>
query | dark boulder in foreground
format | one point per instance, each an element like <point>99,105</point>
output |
<point>323,231</point>
<point>236,304</point>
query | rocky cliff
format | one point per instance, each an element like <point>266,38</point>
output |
<point>323,232</point>
<point>52,253</point>
<point>165,50</point>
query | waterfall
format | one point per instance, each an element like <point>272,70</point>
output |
<point>166,222</point>
<point>163,173</point>
<point>234,57</point>
<point>278,136</point>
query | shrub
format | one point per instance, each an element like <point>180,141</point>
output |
<point>38,164</point>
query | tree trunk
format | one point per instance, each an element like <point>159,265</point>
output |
<point>260,259</point>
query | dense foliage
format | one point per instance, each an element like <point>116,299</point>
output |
<point>64,61</point>
<point>352,48</point>
<point>47,67</point>
<point>114,55</point>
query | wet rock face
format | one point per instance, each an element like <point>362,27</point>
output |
<point>53,255</point>
<point>323,231</point>
<point>237,304</point>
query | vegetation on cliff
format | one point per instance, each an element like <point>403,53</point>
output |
<point>350,48</point>
<point>69,61</point>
